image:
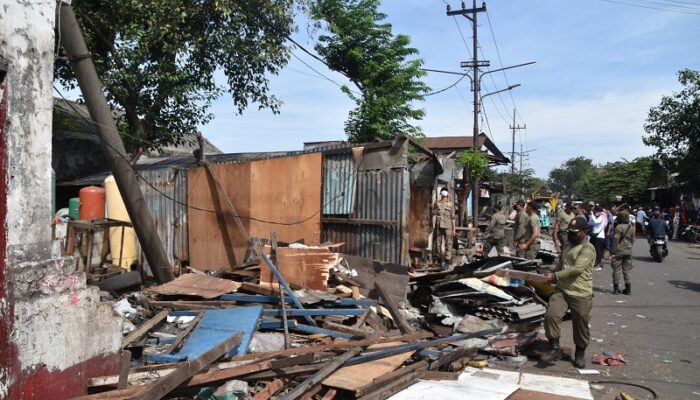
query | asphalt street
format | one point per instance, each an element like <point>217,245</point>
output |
<point>656,329</point>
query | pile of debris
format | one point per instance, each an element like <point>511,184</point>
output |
<point>307,322</point>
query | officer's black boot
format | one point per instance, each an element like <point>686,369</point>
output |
<point>628,289</point>
<point>616,289</point>
<point>580,358</point>
<point>554,353</point>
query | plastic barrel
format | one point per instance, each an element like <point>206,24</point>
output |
<point>74,208</point>
<point>117,210</point>
<point>92,202</point>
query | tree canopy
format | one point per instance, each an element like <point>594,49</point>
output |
<point>564,178</point>
<point>381,66</point>
<point>161,62</point>
<point>674,129</point>
<point>623,180</point>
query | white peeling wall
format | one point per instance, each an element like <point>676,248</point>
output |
<point>58,321</point>
<point>27,41</point>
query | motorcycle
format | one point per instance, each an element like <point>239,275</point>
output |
<point>691,233</point>
<point>658,248</point>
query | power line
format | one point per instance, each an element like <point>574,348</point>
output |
<point>649,7</point>
<point>446,88</point>
<point>176,201</point>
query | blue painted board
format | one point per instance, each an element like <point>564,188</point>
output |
<point>214,328</point>
<point>277,312</point>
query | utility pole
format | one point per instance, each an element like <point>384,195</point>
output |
<point>514,128</point>
<point>471,14</point>
<point>112,145</point>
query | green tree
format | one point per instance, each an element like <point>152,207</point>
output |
<point>564,178</point>
<point>674,129</point>
<point>381,66</point>
<point>158,60</point>
<point>626,180</point>
<point>525,182</point>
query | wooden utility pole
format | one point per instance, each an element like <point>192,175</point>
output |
<point>514,128</point>
<point>471,14</point>
<point>112,145</point>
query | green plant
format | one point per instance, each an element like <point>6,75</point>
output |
<point>475,162</point>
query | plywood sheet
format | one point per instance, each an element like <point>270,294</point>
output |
<point>204,286</point>
<point>305,268</point>
<point>279,194</point>
<point>356,376</point>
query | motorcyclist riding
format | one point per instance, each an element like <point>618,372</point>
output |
<point>658,229</point>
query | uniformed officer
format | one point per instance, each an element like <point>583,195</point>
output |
<point>622,241</point>
<point>519,227</point>
<point>495,233</point>
<point>444,210</point>
<point>530,245</point>
<point>561,225</point>
<point>574,291</point>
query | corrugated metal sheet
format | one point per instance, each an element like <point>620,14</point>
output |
<point>381,195</point>
<point>169,216</point>
<point>338,184</point>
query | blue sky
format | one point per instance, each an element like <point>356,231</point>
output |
<point>600,67</point>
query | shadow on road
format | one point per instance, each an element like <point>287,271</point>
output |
<point>601,290</point>
<point>695,287</point>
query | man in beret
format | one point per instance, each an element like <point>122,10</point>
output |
<point>622,242</point>
<point>574,291</point>
<point>530,244</point>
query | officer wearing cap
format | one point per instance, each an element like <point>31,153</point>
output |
<point>531,240</point>
<point>495,233</point>
<point>444,211</point>
<point>519,227</point>
<point>622,241</point>
<point>574,291</point>
<point>561,225</point>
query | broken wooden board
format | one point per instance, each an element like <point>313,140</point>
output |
<point>356,376</point>
<point>526,276</point>
<point>214,327</point>
<point>393,277</point>
<point>204,286</point>
<point>302,267</point>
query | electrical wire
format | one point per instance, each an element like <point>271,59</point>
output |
<point>626,3</point>
<point>176,201</point>
<point>446,88</point>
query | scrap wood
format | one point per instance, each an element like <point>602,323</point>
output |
<point>306,267</point>
<point>144,328</point>
<point>204,286</point>
<point>393,309</point>
<point>394,387</point>
<point>323,373</point>
<point>312,392</point>
<point>330,394</point>
<point>441,376</point>
<point>381,381</point>
<point>447,357</point>
<point>124,369</point>
<point>259,289</point>
<point>271,388</point>
<point>515,274</point>
<point>337,345</point>
<point>135,375</point>
<point>347,329</point>
<point>194,305</point>
<point>163,386</point>
<point>355,376</point>
<point>182,335</point>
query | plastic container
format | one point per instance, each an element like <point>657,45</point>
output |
<point>117,210</point>
<point>74,208</point>
<point>92,202</point>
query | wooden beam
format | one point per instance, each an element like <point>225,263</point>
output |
<point>394,387</point>
<point>124,369</point>
<point>393,309</point>
<point>323,373</point>
<point>183,335</point>
<point>144,328</point>
<point>378,383</point>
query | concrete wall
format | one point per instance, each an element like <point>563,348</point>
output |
<point>54,332</point>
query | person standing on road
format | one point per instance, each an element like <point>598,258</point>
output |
<point>641,218</point>
<point>561,226</point>
<point>678,220</point>
<point>444,210</point>
<point>622,241</point>
<point>531,240</point>
<point>519,227</point>
<point>598,221</point>
<point>574,291</point>
<point>544,217</point>
<point>495,233</point>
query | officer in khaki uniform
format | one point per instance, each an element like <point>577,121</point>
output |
<point>622,241</point>
<point>445,213</point>
<point>496,232</point>
<point>561,225</point>
<point>530,245</point>
<point>574,291</point>
<point>519,227</point>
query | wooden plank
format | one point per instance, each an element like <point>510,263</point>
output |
<point>271,388</point>
<point>441,376</point>
<point>394,387</point>
<point>165,385</point>
<point>144,328</point>
<point>204,286</point>
<point>330,394</point>
<point>381,381</point>
<point>338,345</point>
<point>347,329</point>
<point>393,277</point>
<point>124,369</point>
<point>393,309</point>
<point>451,356</point>
<point>354,377</point>
<point>307,268</point>
<point>259,289</point>
<point>182,335</point>
<point>323,373</point>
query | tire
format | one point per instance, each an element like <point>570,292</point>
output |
<point>658,256</point>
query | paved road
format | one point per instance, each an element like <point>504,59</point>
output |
<point>657,328</point>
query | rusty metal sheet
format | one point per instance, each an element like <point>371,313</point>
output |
<point>204,286</point>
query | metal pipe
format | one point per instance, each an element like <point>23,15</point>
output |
<point>112,145</point>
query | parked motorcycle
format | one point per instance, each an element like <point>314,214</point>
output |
<point>658,248</point>
<point>691,233</point>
